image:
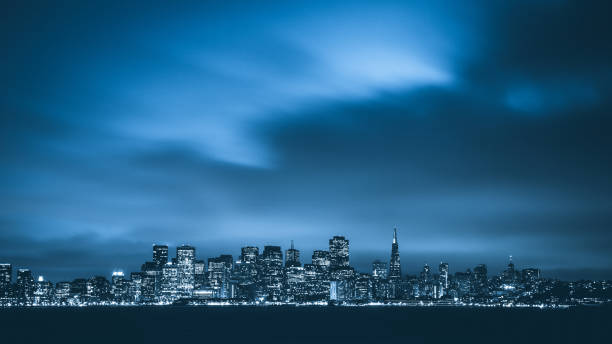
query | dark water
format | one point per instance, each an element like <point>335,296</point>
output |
<point>304,325</point>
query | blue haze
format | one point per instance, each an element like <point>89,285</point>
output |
<point>480,129</point>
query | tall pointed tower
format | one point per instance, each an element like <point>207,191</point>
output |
<point>395,271</point>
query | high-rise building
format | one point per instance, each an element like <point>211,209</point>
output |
<point>530,277</point>
<point>395,271</point>
<point>119,286</point>
<point>246,268</point>
<point>199,269</point>
<point>25,285</point>
<point>321,259</point>
<point>443,279</point>
<point>98,289</point>
<point>185,260</point>
<point>219,273</point>
<point>6,278</point>
<point>43,291</point>
<point>160,255</point>
<point>380,284</point>
<point>338,252</point>
<point>292,257</point>
<point>135,286</point>
<point>271,267</point>
<point>249,254</point>
<point>479,283</point>
<point>510,275</point>
<point>245,273</point>
<point>463,282</point>
<point>169,283</point>
<point>363,287</point>
<point>62,292</point>
<point>379,270</point>
<point>426,282</point>
<point>78,289</point>
<point>151,282</point>
<point>296,289</point>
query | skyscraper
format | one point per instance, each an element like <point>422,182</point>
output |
<point>249,254</point>
<point>169,283</point>
<point>320,259</point>
<point>425,282</point>
<point>160,255</point>
<point>510,275</point>
<point>271,265</point>
<point>219,271</point>
<point>292,257</point>
<point>480,279</point>
<point>25,285</point>
<point>379,270</point>
<point>199,269</point>
<point>338,252</point>
<point>443,278</point>
<point>151,283</point>
<point>185,263</point>
<point>135,286</point>
<point>395,271</point>
<point>245,271</point>
<point>6,276</point>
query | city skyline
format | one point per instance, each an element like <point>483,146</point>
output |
<point>394,270</point>
<point>361,266</point>
<point>270,278</point>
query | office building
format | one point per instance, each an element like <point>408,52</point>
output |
<point>185,263</point>
<point>292,257</point>
<point>160,255</point>
<point>338,252</point>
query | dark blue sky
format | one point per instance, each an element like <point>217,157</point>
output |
<point>480,129</point>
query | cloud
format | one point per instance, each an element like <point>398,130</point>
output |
<point>302,123</point>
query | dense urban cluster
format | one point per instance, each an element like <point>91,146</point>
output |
<point>264,278</point>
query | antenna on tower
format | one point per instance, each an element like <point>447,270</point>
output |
<point>292,244</point>
<point>395,235</point>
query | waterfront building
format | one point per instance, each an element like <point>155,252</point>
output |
<point>78,290</point>
<point>119,286</point>
<point>43,291</point>
<point>62,292</point>
<point>98,289</point>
